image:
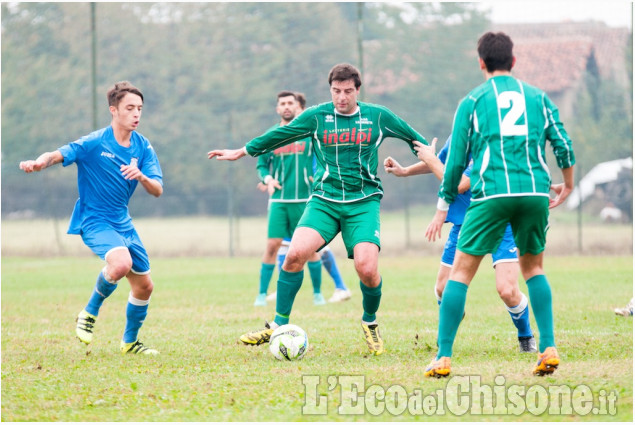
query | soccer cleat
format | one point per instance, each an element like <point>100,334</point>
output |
<point>137,347</point>
<point>271,296</point>
<point>625,311</point>
<point>438,368</point>
<point>548,362</point>
<point>340,295</point>
<point>261,300</point>
<point>527,344</point>
<point>257,337</point>
<point>85,324</point>
<point>318,299</point>
<point>373,339</point>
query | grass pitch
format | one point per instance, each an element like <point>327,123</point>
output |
<point>201,305</point>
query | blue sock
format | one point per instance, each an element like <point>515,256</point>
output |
<point>136,312</point>
<point>520,317</point>
<point>103,289</point>
<point>266,271</point>
<point>328,261</point>
<point>281,258</point>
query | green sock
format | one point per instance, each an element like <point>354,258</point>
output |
<point>315,270</point>
<point>370,301</point>
<point>450,315</point>
<point>540,298</point>
<point>266,271</point>
<point>288,286</point>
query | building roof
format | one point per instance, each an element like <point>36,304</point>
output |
<point>550,54</point>
<point>553,65</point>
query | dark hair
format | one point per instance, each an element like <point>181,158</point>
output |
<point>496,50</point>
<point>301,98</point>
<point>344,72</point>
<point>286,93</point>
<point>119,90</point>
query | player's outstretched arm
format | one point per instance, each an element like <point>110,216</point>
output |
<point>227,154</point>
<point>391,166</point>
<point>43,161</point>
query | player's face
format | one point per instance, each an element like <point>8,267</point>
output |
<point>287,108</point>
<point>344,95</point>
<point>128,113</point>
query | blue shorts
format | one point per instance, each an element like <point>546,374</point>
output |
<point>507,251</point>
<point>102,239</point>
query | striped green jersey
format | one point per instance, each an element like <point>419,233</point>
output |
<point>504,123</point>
<point>345,147</point>
<point>292,166</point>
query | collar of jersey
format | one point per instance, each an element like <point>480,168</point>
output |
<point>347,115</point>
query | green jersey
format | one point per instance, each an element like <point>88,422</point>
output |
<point>504,124</point>
<point>292,166</point>
<point>345,147</point>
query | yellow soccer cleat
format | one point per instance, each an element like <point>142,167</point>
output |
<point>373,339</point>
<point>137,347</point>
<point>438,368</point>
<point>257,337</point>
<point>548,362</point>
<point>85,324</point>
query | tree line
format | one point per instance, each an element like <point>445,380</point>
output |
<point>210,73</point>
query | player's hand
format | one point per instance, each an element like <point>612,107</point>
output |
<point>426,152</point>
<point>391,166</point>
<point>272,186</point>
<point>261,187</point>
<point>226,154</point>
<point>434,228</point>
<point>562,192</point>
<point>32,165</point>
<point>131,172</point>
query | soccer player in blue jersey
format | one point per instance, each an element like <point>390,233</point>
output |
<point>111,162</point>
<point>505,259</point>
<point>503,124</point>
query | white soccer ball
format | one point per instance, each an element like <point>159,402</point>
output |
<point>288,342</point>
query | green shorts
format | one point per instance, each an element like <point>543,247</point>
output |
<point>283,218</point>
<point>358,221</point>
<point>485,223</point>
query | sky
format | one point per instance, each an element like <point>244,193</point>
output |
<point>615,13</point>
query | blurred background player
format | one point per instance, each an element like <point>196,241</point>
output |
<point>503,124</point>
<point>287,173</point>
<point>346,136</point>
<point>505,259</point>
<point>110,164</point>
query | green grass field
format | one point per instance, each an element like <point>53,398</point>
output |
<point>201,305</point>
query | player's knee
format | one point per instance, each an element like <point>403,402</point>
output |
<point>119,269</point>
<point>507,293</point>
<point>294,262</point>
<point>368,273</point>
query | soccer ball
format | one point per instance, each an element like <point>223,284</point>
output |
<point>288,342</point>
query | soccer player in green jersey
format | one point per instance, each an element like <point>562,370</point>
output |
<point>287,173</point>
<point>504,124</point>
<point>346,135</point>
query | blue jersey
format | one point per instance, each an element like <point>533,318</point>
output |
<point>103,191</point>
<point>458,208</point>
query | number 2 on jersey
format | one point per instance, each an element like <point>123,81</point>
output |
<point>516,101</point>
